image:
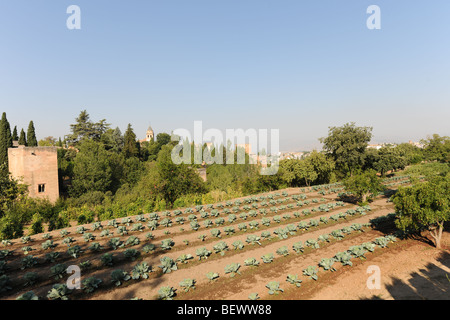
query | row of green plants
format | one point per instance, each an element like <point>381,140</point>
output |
<point>169,264</point>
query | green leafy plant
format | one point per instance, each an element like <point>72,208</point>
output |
<point>212,276</point>
<point>30,279</point>
<point>311,271</point>
<point>274,287</point>
<point>184,258</point>
<point>233,269</point>
<point>58,271</point>
<point>131,254</point>
<point>119,276</point>
<point>327,264</point>
<point>267,258</point>
<point>253,239</point>
<point>75,251</point>
<point>202,253</point>
<point>58,292</point>
<point>141,270</point>
<point>115,243</point>
<point>168,265</point>
<point>28,262</point>
<point>251,262</point>
<point>221,248</point>
<point>253,296</point>
<point>344,258</point>
<point>166,293</point>
<point>91,284</point>
<point>283,251</point>
<point>293,279</point>
<point>107,259</point>
<point>27,249</point>
<point>51,256</point>
<point>187,284</point>
<point>30,295</point>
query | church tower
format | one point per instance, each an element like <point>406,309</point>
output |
<point>150,136</point>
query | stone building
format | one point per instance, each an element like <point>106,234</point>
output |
<point>36,167</point>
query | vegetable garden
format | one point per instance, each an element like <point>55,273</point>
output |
<point>255,247</point>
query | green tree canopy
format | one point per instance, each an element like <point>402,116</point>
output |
<point>91,169</point>
<point>84,128</point>
<point>364,184</point>
<point>347,145</point>
<point>424,206</point>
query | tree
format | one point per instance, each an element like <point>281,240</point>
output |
<point>424,206</point>
<point>386,159</point>
<point>437,148</point>
<point>131,146</point>
<point>15,137</point>
<point>91,169</point>
<point>22,138</point>
<point>323,166</point>
<point>31,136</point>
<point>5,139</point>
<point>113,140</point>
<point>84,128</point>
<point>347,145</point>
<point>176,180</point>
<point>364,184</point>
<point>48,142</point>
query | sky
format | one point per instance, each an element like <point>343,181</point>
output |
<point>296,66</point>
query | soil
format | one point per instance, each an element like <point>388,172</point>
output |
<point>409,269</point>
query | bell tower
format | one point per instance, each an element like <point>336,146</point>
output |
<point>150,136</point>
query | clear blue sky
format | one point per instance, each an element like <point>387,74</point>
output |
<point>298,66</point>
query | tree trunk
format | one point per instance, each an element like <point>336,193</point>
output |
<point>437,234</point>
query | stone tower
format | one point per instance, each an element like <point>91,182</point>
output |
<point>150,136</point>
<point>37,167</point>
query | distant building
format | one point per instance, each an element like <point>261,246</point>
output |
<point>36,167</point>
<point>416,144</point>
<point>374,146</point>
<point>149,136</point>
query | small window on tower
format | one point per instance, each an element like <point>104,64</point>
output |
<point>41,188</point>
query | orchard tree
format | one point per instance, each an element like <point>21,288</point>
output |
<point>364,185</point>
<point>424,206</point>
<point>347,145</point>
<point>437,148</point>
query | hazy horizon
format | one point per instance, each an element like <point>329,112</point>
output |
<point>296,66</point>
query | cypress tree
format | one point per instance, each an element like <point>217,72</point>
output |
<point>15,137</point>
<point>5,140</point>
<point>31,136</point>
<point>22,138</point>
